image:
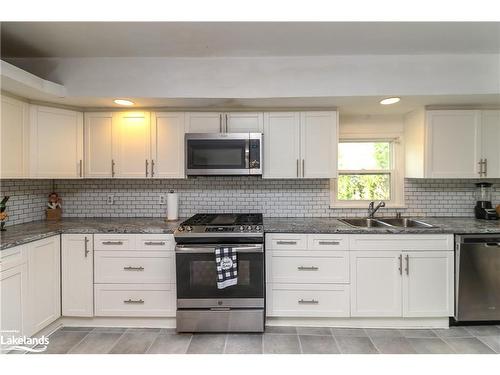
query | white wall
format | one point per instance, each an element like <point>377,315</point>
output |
<point>273,76</point>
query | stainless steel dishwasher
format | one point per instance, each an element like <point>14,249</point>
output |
<point>477,277</point>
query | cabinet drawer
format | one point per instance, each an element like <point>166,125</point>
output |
<point>303,267</point>
<point>428,242</point>
<point>293,300</point>
<point>286,241</point>
<point>155,242</point>
<point>12,257</point>
<point>328,242</point>
<point>134,267</point>
<point>114,241</point>
<point>135,300</point>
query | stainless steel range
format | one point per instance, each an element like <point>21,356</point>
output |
<point>201,306</point>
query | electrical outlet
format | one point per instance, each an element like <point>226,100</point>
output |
<point>111,199</point>
<point>162,199</point>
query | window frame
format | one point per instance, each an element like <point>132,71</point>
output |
<point>396,171</point>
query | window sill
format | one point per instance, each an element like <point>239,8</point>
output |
<point>364,206</point>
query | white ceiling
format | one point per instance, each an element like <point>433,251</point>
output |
<point>244,39</point>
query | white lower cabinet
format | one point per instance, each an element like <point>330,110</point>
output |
<point>134,275</point>
<point>44,259</point>
<point>77,260</point>
<point>14,293</point>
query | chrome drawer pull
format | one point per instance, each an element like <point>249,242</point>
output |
<point>151,243</point>
<point>329,242</point>
<point>303,268</point>
<point>129,268</point>
<point>308,301</point>
<point>139,301</point>
<point>286,242</point>
<point>112,242</point>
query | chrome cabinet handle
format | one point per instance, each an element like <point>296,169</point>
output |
<point>130,268</point>
<point>303,268</point>
<point>303,167</point>
<point>147,166</point>
<point>220,122</point>
<point>329,242</point>
<point>152,243</point>
<point>286,242</point>
<point>407,269</point>
<point>308,301</point>
<point>152,168</point>
<point>226,123</point>
<point>112,167</point>
<point>138,301</point>
<point>112,242</point>
<point>81,167</point>
<point>87,251</point>
<point>485,164</point>
<point>297,167</point>
<point>400,264</point>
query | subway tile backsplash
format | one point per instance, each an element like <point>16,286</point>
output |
<point>277,198</point>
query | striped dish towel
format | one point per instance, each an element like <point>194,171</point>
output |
<point>227,267</point>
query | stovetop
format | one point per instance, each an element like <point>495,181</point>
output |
<point>224,219</point>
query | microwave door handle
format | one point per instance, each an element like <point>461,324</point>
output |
<point>247,154</point>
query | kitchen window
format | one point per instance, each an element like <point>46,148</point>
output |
<point>368,170</point>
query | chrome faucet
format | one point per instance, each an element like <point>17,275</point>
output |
<point>372,209</point>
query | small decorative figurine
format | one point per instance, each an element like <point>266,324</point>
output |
<point>54,208</point>
<point>3,214</point>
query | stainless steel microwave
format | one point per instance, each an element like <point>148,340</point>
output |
<point>223,154</point>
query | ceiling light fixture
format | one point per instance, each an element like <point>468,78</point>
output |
<point>388,101</point>
<point>123,102</point>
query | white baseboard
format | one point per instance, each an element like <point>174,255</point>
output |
<point>361,322</point>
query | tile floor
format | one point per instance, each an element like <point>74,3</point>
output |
<point>278,340</point>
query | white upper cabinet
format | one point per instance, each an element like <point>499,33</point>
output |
<point>77,275</point>
<point>14,136</point>
<point>490,143</point>
<point>300,144</point>
<point>132,144</point>
<point>318,137</point>
<point>56,143</point>
<point>452,144</point>
<point>98,145</point>
<point>281,145</point>
<point>244,122</point>
<point>204,122</point>
<point>167,139</point>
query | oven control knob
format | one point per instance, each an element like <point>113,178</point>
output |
<point>257,227</point>
<point>242,228</point>
<point>189,228</point>
<point>249,228</point>
<point>181,229</point>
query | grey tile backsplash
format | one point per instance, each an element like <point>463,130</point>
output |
<point>277,198</point>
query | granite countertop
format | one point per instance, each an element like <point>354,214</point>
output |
<point>24,233</point>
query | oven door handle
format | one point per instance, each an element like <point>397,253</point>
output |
<point>211,249</point>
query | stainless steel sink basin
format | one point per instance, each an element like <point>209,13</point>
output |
<point>366,223</point>
<point>406,223</point>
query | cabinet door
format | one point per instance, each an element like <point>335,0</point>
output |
<point>56,143</point>
<point>490,142</point>
<point>204,122</point>
<point>244,122</point>
<point>167,139</point>
<point>281,145</point>
<point>428,289</point>
<point>453,139</point>
<point>318,144</point>
<point>44,282</point>
<point>375,283</point>
<point>98,145</point>
<point>14,133</point>
<point>77,284</point>
<point>14,297</point>
<point>131,144</point>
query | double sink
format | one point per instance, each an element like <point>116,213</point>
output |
<point>386,223</point>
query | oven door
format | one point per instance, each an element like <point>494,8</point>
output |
<point>217,154</point>
<point>196,275</point>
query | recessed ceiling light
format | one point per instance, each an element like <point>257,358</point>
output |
<point>123,102</point>
<point>389,101</point>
